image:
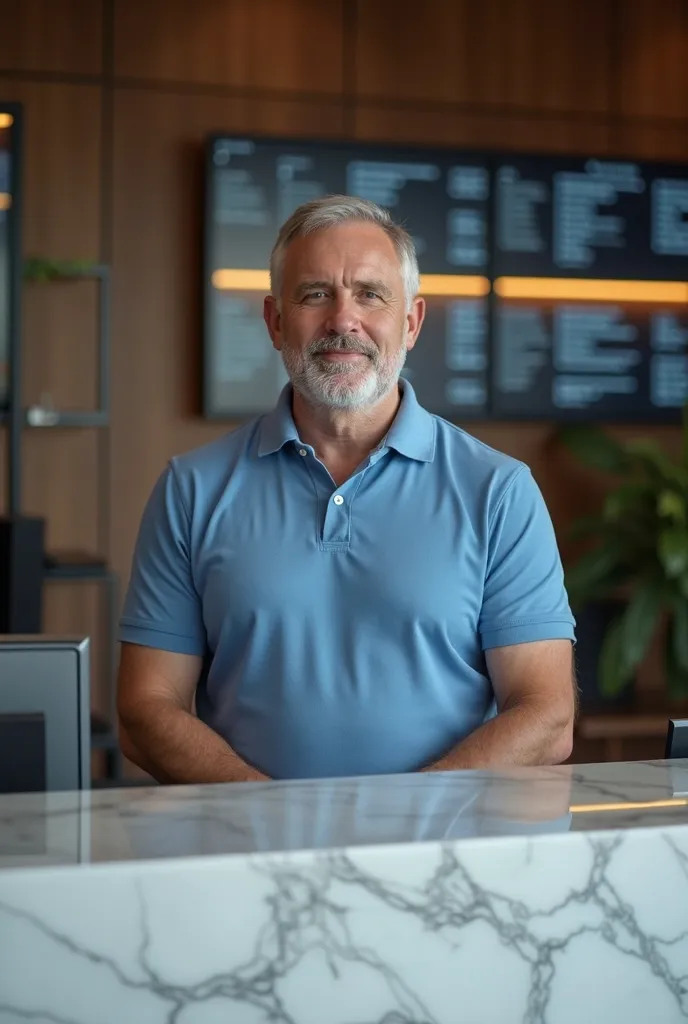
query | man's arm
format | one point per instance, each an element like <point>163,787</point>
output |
<point>535,691</point>
<point>158,730</point>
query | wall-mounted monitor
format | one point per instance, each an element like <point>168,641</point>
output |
<point>10,247</point>
<point>557,287</point>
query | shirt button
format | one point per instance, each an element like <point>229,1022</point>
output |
<point>338,500</point>
<point>302,451</point>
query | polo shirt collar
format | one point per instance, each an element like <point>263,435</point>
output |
<point>277,427</point>
<point>412,433</point>
<point>413,429</point>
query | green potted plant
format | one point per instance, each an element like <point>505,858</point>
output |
<point>636,548</point>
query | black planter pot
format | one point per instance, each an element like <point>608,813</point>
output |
<point>591,625</point>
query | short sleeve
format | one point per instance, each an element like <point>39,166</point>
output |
<point>162,607</point>
<point>524,598</point>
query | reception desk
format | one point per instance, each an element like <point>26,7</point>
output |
<point>555,895</point>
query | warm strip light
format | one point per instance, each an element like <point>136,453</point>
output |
<point>595,290</point>
<point>430,284</point>
<point>5,200</point>
<point>241,280</point>
<point>6,120</point>
<point>650,805</point>
<point>453,284</point>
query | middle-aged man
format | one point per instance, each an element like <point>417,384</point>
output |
<point>347,585</point>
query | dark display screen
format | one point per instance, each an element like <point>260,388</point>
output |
<point>8,130</point>
<point>556,287</point>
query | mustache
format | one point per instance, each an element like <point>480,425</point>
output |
<point>342,343</point>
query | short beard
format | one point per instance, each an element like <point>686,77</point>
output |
<point>325,383</point>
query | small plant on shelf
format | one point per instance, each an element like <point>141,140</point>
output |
<point>39,268</point>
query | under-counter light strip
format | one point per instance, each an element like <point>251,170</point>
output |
<point>649,805</point>
<point>475,286</point>
<point>6,120</point>
<point>582,290</point>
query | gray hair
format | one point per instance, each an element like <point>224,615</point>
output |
<point>327,212</point>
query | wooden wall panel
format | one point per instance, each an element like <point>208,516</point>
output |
<point>402,54</point>
<point>645,140</point>
<point>267,44</point>
<point>62,196</point>
<point>61,219</point>
<point>157,246</point>
<point>653,59</point>
<point>60,482</point>
<point>496,131</point>
<point>512,53</point>
<point>62,36</point>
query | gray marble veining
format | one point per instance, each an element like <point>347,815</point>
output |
<point>548,896</point>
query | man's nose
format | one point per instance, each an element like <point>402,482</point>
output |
<point>342,316</point>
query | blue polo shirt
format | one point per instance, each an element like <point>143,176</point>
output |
<point>343,628</point>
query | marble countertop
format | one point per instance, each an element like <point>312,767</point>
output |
<point>147,823</point>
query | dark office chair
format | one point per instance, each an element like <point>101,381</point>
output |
<point>677,738</point>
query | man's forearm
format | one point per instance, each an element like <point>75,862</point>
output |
<point>521,735</point>
<point>176,747</point>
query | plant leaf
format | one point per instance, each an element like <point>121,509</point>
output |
<point>594,570</point>
<point>672,505</point>
<point>676,678</point>
<point>628,499</point>
<point>588,526</point>
<point>672,548</point>
<point>595,448</point>
<point>650,457</point>
<point>614,672</point>
<point>679,631</point>
<point>639,620</point>
<point>628,637</point>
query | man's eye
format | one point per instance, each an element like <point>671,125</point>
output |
<point>314,295</point>
<point>368,294</point>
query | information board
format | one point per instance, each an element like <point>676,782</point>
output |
<point>556,288</point>
<point>9,249</point>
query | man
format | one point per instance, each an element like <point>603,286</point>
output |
<point>347,585</point>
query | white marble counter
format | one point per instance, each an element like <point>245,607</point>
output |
<point>554,895</point>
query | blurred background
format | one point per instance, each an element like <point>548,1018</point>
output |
<point>117,100</point>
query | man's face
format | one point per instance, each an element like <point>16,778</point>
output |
<point>343,327</point>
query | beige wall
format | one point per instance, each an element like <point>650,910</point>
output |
<point>119,95</point>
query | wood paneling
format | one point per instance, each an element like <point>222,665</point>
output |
<point>61,215</point>
<point>157,246</point>
<point>403,52</point>
<point>61,351</point>
<point>653,59</point>
<point>451,128</point>
<point>266,44</point>
<point>61,219</point>
<point>532,54</point>
<point>60,482</point>
<point>63,36</point>
<point>644,140</point>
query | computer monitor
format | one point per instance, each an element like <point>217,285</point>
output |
<point>44,713</point>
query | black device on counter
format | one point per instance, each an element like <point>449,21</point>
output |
<point>677,738</point>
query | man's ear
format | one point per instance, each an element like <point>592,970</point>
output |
<point>414,321</point>
<point>273,320</point>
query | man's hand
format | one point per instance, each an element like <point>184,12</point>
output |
<point>535,691</point>
<point>158,729</point>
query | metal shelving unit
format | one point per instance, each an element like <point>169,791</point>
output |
<point>78,566</point>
